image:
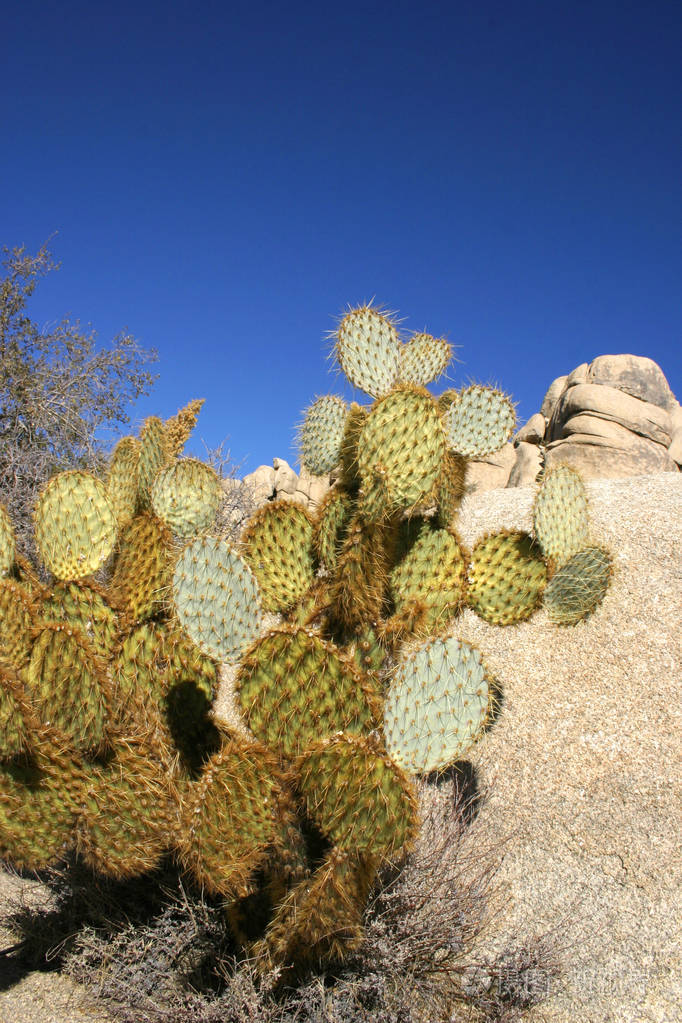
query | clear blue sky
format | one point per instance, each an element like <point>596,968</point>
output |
<point>225,178</point>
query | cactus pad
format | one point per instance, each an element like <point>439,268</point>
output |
<point>400,451</point>
<point>579,586</point>
<point>278,546</point>
<point>186,495</point>
<point>67,686</point>
<point>75,525</point>
<point>154,455</point>
<point>321,435</point>
<point>141,579</point>
<point>437,705</point>
<point>358,796</point>
<point>331,524</point>
<point>17,620</point>
<point>560,515</point>
<point>506,578</point>
<point>216,598</point>
<point>232,817</point>
<point>178,428</point>
<point>84,606</point>
<point>295,688</point>
<point>479,421</point>
<point>15,716</point>
<point>423,359</point>
<point>368,350</point>
<point>434,572</point>
<point>122,481</point>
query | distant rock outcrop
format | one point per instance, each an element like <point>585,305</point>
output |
<point>612,418</point>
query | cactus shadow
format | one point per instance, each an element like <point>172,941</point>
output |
<point>463,778</point>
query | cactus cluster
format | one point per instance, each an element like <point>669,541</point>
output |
<point>108,745</point>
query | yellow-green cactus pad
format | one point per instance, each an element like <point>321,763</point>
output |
<point>36,818</point>
<point>278,546</point>
<point>479,421</point>
<point>294,688</point>
<point>423,359</point>
<point>232,817</point>
<point>75,525</point>
<point>154,455</point>
<point>18,619</point>
<point>122,481</point>
<point>85,606</point>
<point>67,686</point>
<point>358,796</point>
<point>186,495</point>
<point>437,705</point>
<point>216,598</point>
<point>129,814</point>
<point>579,586</point>
<point>450,488</point>
<point>141,579</point>
<point>321,434</point>
<point>560,514</point>
<point>400,452</point>
<point>434,572</point>
<point>15,716</point>
<point>320,921</point>
<point>368,350</point>
<point>331,523</point>
<point>7,542</point>
<point>506,578</point>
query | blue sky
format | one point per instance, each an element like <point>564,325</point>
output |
<point>226,178</point>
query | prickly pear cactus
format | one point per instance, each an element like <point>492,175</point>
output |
<point>109,744</point>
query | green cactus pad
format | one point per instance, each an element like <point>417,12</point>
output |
<point>479,421</point>
<point>84,606</point>
<point>579,586</point>
<point>129,815</point>
<point>141,579</point>
<point>18,618</point>
<point>154,455</point>
<point>423,359</point>
<point>66,684</point>
<point>560,514</point>
<point>294,688</point>
<point>216,598</point>
<point>15,716</point>
<point>278,546</point>
<point>7,542</point>
<point>75,525</point>
<point>186,495</point>
<point>400,452</point>
<point>231,818</point>
<point>122,480</point>
<point>178,429</point>
<point>138,670</point>
<point>434,572</point>
<point>320,921</point>
<point>356,419</point>
<point>450,488</point>
<point>358,796</point>
<point>357,591</point>
<point>437,705</point>
<point>331,523</point>
<point>36,818</point>
<point>506,578</point>
<point>321,435</point>
<point>368,350</point>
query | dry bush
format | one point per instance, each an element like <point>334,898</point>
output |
<point>161,953</point>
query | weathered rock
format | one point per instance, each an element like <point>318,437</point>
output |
<point>675,449</point>
<point>580,375</point>
<point>261,482</point>
<point>286,480</point>
<point>319,485</point>
<point>527,465</point>
<point>615,454</point>
<point>635,375</point>
<point>492,472</point>
<point>553,394</point>
<point>533,432</point>
<point>603,402</point>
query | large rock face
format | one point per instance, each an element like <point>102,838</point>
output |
<point>581,774</point>
<point>612,418</point>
